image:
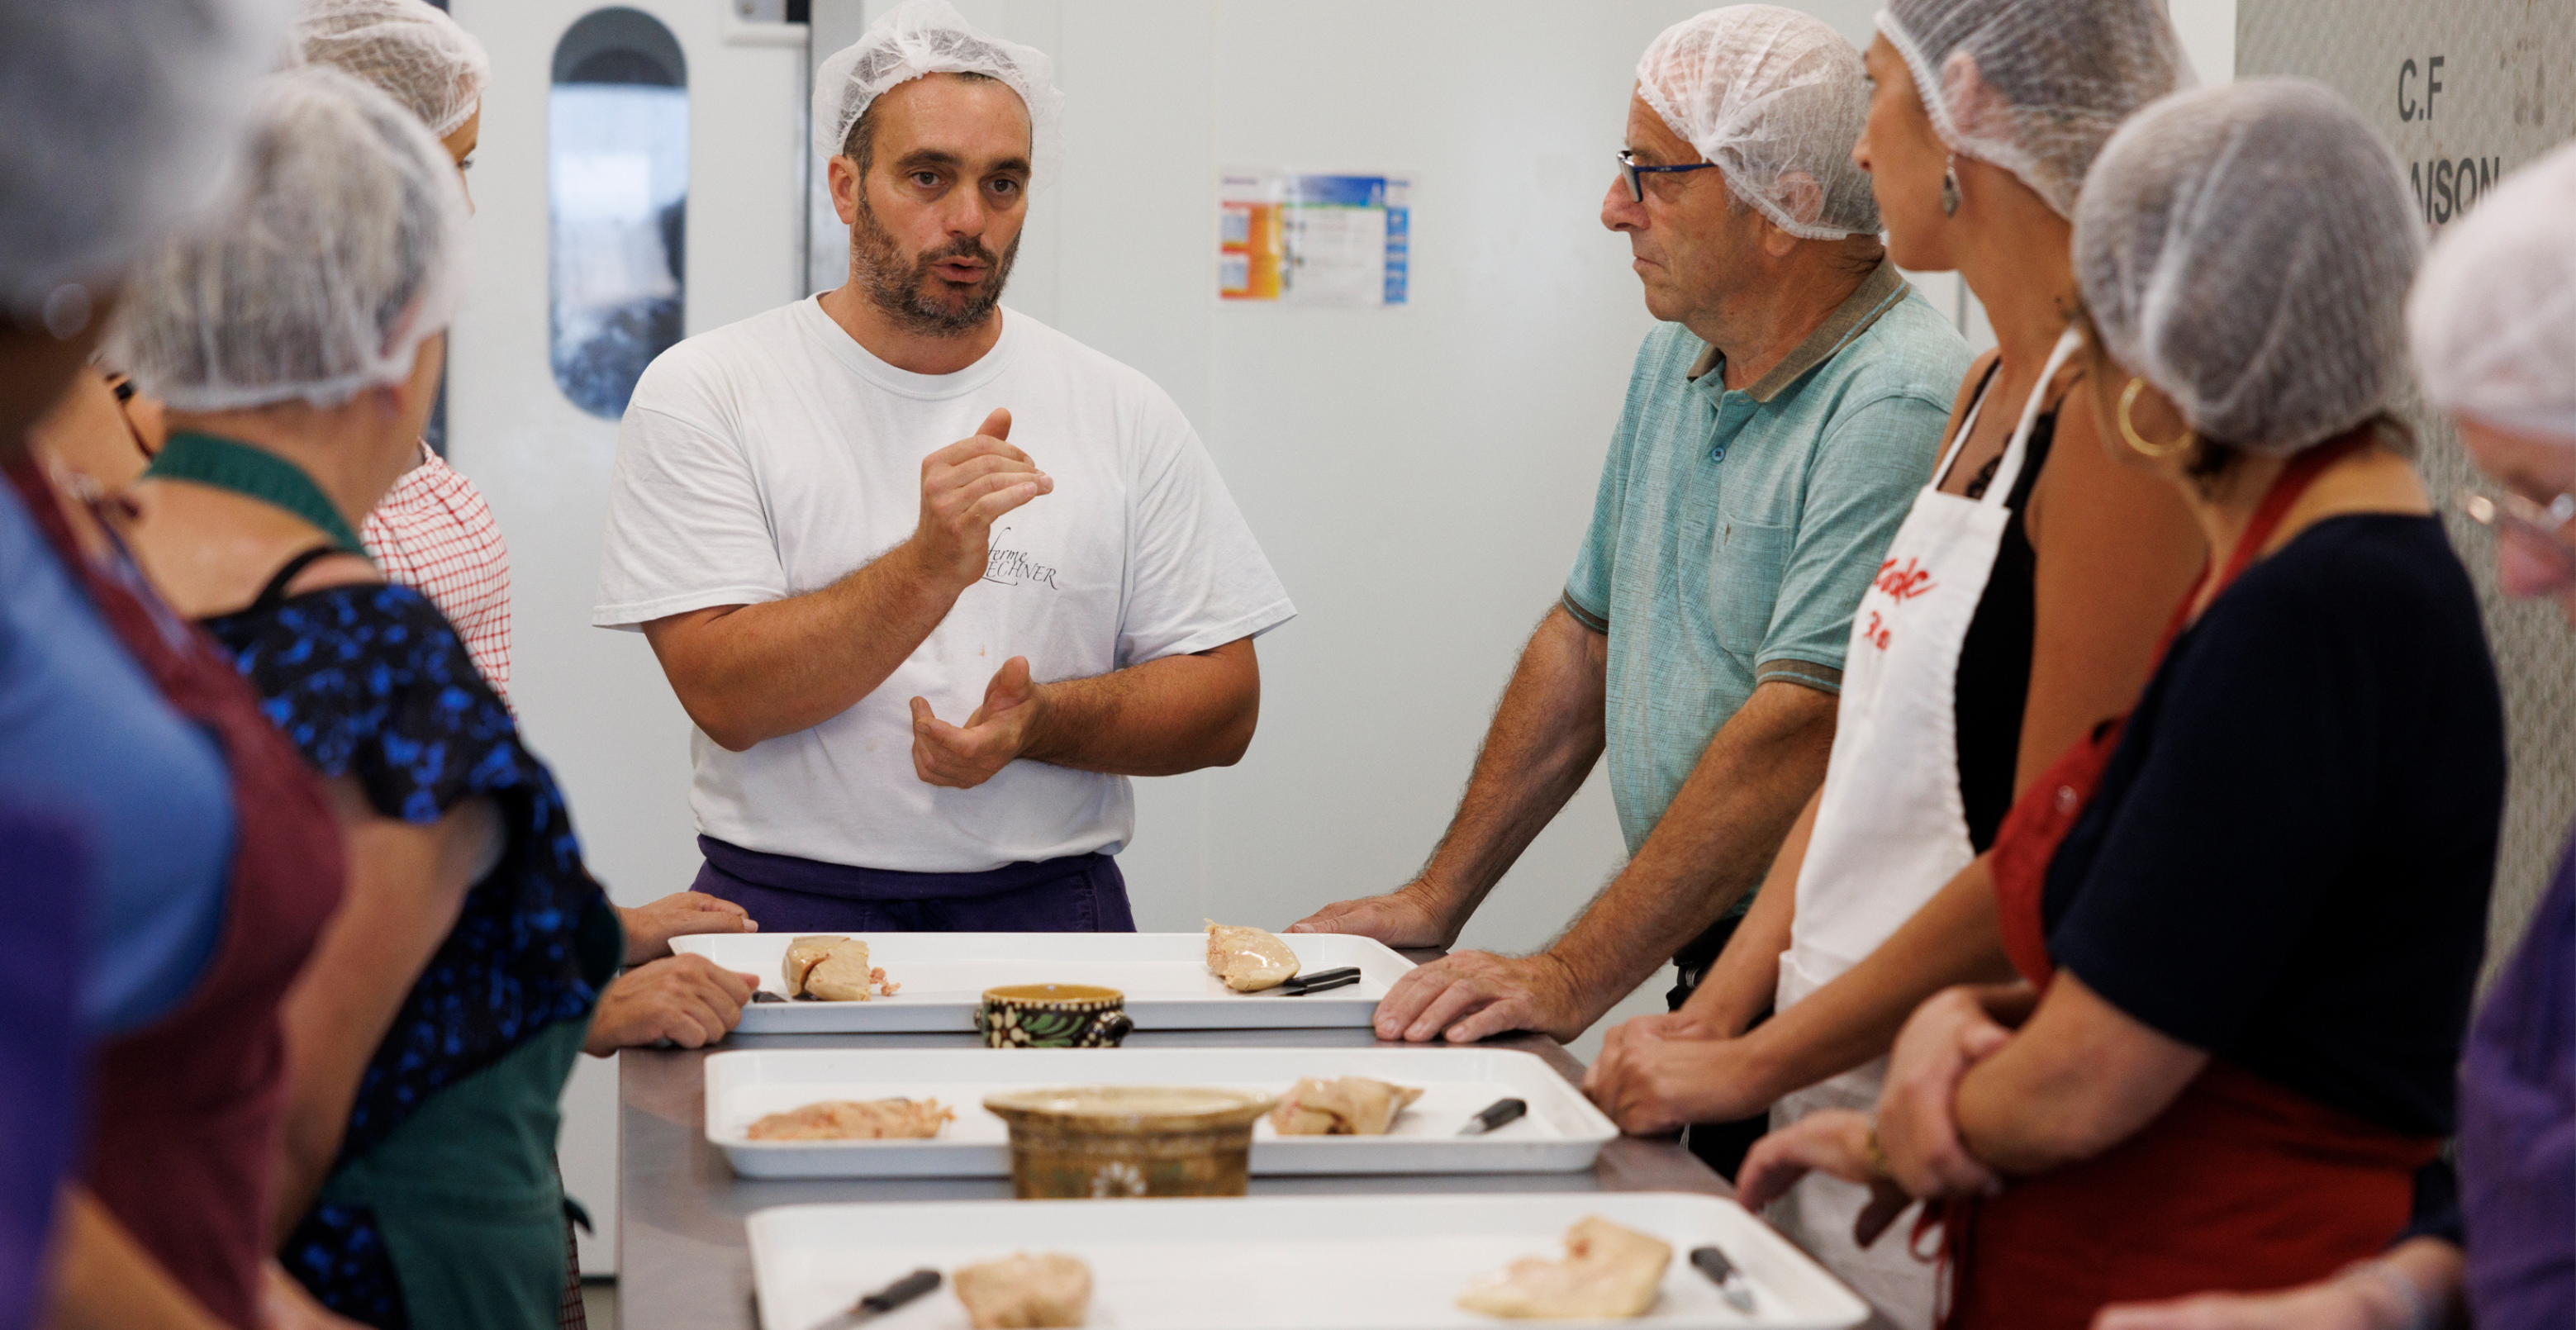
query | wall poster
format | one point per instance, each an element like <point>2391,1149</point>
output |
<point>1341,241</point>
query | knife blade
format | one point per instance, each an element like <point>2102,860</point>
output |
<point>1495,1114</point>
<point>884,1300</point>
<point>1731,1283</point>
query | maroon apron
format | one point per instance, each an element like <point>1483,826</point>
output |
<point>185,1113</point>
<point>2238,1185</point>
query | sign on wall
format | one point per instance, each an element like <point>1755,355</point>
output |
<point>1331,240</point>
<point>2464,91</point>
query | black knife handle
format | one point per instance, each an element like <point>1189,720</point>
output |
<point>901,1291</point>
<point>1502,1111</point>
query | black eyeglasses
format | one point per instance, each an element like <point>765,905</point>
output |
<point>1634,176</point>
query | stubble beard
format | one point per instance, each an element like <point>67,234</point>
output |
<point>902,290</point>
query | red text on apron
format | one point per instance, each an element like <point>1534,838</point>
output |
<point>2240,1184</point>
<point>185,1113</point>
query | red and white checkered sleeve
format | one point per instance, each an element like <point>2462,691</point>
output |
<point>434,533</point>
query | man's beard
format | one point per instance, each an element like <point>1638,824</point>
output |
<point>877,263</point>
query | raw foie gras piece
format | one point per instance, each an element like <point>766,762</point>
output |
<point>1248,959</point>
<point>843,974</point>
<point>1608,1271</point>
<point>856,1120</point>
<point>803,954</point>
<point>1024,1292</point>
<point>1348,1106</point>
<point>832,968</point>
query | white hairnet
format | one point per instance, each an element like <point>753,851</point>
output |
<point>2493,317</point>
<point>1776,99</point>
<point>409,49</point>
<point>2246,249</point>
<point>2036,86</point>
<point>315,275</point>
<point>120,116</point>
<point>930,37</point>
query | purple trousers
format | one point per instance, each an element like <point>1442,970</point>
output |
<point>1081,893</point>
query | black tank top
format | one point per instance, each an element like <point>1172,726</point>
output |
<point>1993,684</point>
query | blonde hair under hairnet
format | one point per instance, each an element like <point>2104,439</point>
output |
<point>409,49</point>
<point>2036,86</point>
<point>121,116</point>
<point>2493,317</point>
<point>931,37</point>
<point>318,272</point>
<point>2246,249</point>
<point>1776,99</point>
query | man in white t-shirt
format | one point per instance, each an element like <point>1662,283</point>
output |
<point>932,578</point>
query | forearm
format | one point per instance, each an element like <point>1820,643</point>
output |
<point>1953,939</point>
<point>1713,843</point>
<point>1161,718</point>
<point>2078,1078</point>
<point>1746,976</point>
<point>1547,733</point>
<point>103,1279</point>
<point>407,884</point>
<point>748,673</point>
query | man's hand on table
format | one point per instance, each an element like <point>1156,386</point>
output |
<point>1475,994</point>
<point>1657,1074</point>
<point>650,928</point>
<point>689,1000</point>
<point>1401,918</point>
<point>962,757</point>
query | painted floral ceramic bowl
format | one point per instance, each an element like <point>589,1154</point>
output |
<point>1053,1016</point>
<point>1112,1141</point>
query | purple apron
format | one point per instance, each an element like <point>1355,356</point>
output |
<point>1080,893</point>
<point>45,870</point>
<point>2518,1129</point>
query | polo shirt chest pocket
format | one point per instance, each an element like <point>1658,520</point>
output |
<point>1739,581</point>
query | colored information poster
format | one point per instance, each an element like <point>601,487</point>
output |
<point>1334,240</point>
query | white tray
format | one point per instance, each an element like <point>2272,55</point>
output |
<point>1164,975</point>
<point>1561,1133</point>
<point>1274,1263</point>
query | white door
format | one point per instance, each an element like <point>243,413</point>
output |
<point>593,703</point>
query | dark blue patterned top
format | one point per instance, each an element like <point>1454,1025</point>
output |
<point>370,682</point>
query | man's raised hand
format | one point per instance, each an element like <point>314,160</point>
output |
<point>965,488</point>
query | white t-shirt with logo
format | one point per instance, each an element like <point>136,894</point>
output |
<point>775,456</point>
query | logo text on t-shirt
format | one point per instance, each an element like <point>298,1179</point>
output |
<point>1016,568</point>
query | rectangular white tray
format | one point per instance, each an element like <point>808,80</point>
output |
<point>1164,975</point>
<point>1275,1263</point>
<point>1561,1133</point>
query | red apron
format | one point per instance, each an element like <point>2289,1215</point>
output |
<point>185,1114</point>
<point>2240,1184</point>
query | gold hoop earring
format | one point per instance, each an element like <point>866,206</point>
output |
<point>2129,431</point>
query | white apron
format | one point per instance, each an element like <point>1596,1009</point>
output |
<point>1892,827</point>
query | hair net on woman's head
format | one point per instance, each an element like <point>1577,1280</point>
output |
<point>2036,86</point>
<point>408,48</point>
<point>2246,249</point>
<point>1776,99</point>
<point>318,272</point>
<point>930,37</point>
<point>119,116</point>
<point>2493,317</point>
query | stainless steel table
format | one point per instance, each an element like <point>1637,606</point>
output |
<point>683,1262</point>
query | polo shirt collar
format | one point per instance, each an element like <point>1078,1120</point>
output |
<point>1878,293</point>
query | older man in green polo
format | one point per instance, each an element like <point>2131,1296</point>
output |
<point>1778,425</point>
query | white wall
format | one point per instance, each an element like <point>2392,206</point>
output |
<point>1420,477</point>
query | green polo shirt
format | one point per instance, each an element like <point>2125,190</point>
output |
<point>1735,530</point>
